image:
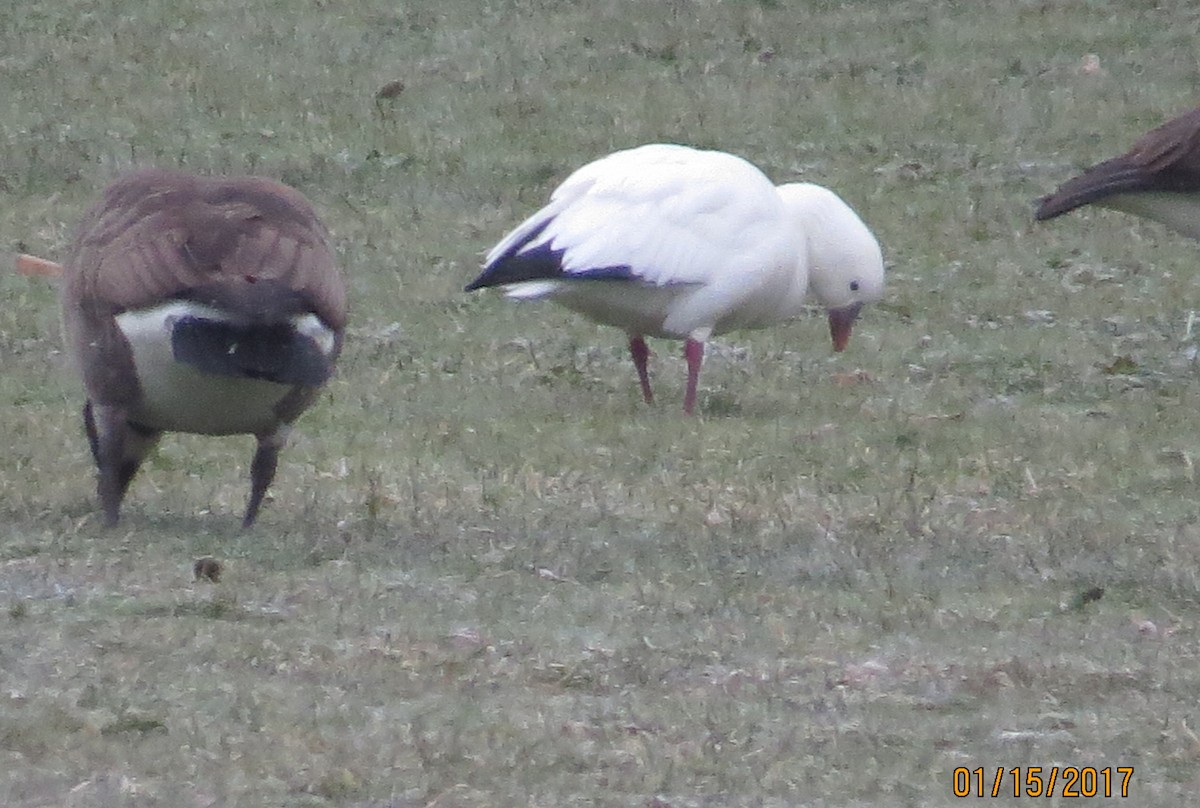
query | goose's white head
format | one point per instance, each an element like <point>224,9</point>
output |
<point>845,263</point>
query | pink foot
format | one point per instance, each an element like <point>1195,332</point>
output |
<point>693,352</point>
<point>641,353</point>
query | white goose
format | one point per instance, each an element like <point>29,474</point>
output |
<point>669,241</point>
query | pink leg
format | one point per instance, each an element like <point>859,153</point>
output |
<point>693,352</point>
<point>640,354</point>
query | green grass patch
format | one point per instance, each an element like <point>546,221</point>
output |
<point>488,574</point>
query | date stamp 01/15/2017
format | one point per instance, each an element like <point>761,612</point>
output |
<point>1042,781</point>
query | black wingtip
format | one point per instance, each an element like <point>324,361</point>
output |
<point>1049,207</point>
<point>540,263</point>
<point>1115,177</point>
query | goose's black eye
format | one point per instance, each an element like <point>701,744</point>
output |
<point>853,286</point>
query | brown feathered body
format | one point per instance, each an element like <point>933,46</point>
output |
<point>1158,179</point>
<point>195,304</point>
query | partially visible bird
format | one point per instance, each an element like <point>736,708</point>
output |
<point>669,241</point>
<point>1159,179</point>
<point>203,305</point>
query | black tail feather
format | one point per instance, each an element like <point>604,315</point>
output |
<point>275,352</point>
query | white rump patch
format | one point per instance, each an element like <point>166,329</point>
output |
<point>178,397</point>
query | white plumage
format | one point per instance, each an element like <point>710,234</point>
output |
<point>669,241</point>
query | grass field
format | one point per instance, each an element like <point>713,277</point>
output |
<point>489,575</point>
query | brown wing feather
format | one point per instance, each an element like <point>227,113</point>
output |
<point>159,234</point>
<point>1165,159</point>
<point>1174,145</point>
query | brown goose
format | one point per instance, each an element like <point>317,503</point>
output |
<point>1159,179</point>
<point>203,305</point>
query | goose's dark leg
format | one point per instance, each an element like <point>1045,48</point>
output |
<point>118,448</point>
<point>262,470</point>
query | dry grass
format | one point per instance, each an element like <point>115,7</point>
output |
<point>489,575</point>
